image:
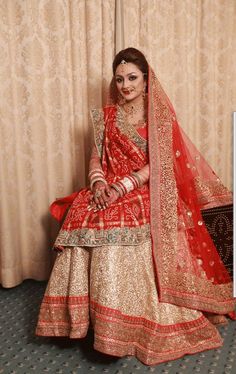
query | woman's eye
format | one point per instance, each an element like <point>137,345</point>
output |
<point>132,77</point>
<point>118,80</point>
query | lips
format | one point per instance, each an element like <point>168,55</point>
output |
<point>127,92</point>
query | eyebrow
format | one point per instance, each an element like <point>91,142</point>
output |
<point>118,75</point>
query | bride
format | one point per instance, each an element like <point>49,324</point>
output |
<point>134,256</point>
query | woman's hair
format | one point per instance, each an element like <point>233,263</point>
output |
<point>131,55</point>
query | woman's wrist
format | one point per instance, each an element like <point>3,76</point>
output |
<point>126,184</point>
<point>137,178</point>
<point>96,175</point>
<point>117,189</point>
<point>97,179</point>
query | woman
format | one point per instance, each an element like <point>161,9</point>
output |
<point>134,253</point>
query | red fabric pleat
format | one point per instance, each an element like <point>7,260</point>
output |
<point>59,207</point>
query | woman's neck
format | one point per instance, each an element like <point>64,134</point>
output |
<point>138,102</point>
<point>135,111</point>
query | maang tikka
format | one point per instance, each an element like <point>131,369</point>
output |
<point>123,62</point>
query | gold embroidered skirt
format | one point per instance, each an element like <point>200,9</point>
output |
<point>114,288</point>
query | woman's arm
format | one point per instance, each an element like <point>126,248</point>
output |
<point>143,174</point>
<point>98,184</point>
<point>130,182</point>
<point>103,194</point>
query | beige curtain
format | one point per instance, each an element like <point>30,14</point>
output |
<point>191,45</point>
<point>55,64</point>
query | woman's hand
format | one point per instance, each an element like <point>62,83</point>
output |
<point>114,195</point>
<point>108,200</point>
<point>101,192</point>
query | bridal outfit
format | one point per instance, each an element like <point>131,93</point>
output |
<point>144,272</point>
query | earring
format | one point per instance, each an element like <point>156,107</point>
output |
<point>144,93</point>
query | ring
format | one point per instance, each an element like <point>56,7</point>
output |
<point>97,194</point>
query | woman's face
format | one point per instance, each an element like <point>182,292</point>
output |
<point>130,82</point>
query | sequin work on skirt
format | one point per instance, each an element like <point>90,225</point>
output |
<point>122,301</point>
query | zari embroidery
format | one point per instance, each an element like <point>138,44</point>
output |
<point>92,237</point>
<point>99,126</point>
<point>211,191</point>
<point>166,183</point>
<point>130,131</point>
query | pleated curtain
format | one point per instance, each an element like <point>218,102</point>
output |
<point>55,65</point>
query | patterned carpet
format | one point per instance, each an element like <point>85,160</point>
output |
<point>21,352</point>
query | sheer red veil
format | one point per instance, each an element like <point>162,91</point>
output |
<point>189,270</point>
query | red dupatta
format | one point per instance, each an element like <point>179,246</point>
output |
<point>189,270</point>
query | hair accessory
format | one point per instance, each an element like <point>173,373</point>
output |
<point>123,63</point>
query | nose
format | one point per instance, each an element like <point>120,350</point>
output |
<point>125,83</point>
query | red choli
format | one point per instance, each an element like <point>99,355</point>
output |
<point>126,221</point>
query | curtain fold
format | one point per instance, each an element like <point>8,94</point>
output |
<point>191,45</point>
<point>119,26</point>
<point>55,65</point>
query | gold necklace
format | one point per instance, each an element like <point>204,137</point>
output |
<point>133,109</point>
<point>129,115</point>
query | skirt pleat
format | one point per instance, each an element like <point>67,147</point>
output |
<point>114,288</point>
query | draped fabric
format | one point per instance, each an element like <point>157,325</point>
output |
<point>189,270</point>
<point>55,64</point>
<point>144,272</point>
<point>122,223</point>
<point>188,266</point>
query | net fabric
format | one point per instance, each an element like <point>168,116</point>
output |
<point>181,184</point>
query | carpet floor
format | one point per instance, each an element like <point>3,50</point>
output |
<point>21,352</point>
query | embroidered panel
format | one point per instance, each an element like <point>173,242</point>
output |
<point>130,131</point>
<point>212,193</point>
<point>98,237</point>
<point>207,296</point>
<point>97,116</point>
<point>126,221</point>
<point>121,335</point>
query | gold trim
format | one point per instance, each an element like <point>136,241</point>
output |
<point>130,131</point>
<point>93,238</point>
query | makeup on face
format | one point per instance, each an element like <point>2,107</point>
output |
<point>129,81</point>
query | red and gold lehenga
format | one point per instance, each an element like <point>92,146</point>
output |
<point>144,271</point>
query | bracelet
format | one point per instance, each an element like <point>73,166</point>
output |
<point>138,179</point>
<point>116,187</point>
<point>96,171</point>
<point>96,175</point>
<point>93,181</point>
<point>128,183</point>
<point>125,185</point>
<point>122,188</point>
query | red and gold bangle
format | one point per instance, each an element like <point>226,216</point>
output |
<point>129,183</point>
<point>117,188</point>
<point>95,172</point>
<point>125,185</point>
<point>97,179</point>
